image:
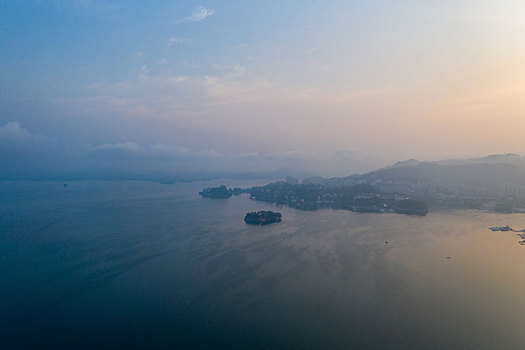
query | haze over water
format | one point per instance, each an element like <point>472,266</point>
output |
<point>140,265</point>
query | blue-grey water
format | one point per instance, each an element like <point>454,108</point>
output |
<point>137,265</point>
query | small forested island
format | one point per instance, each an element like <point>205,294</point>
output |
<point>221,192</point>
<point>217,192</point>
<point>263,217</point>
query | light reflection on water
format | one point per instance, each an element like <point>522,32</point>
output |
<point>142,264</point>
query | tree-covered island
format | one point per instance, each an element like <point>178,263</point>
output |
<point>263,217</point>
<point>221,192</point>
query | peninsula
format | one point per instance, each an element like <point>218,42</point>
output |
<point>362,198</point>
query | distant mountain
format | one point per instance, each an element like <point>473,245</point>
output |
<point>507,158</point>
<point>483,175</point>
<point>403,163</point>
<point>475,183</point>
<point>490,178</point>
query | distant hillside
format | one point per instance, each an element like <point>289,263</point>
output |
<point>484,175</point>
<point>463,182</point>
<point>403,163</point>
<point>485,182</point>
<point>507,158</point>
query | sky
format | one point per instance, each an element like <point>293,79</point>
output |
<point>321,87</point>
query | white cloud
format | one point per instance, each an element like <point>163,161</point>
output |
<point>198,15</point>
<point>286,156</point>
<point>123,146</point>
<point>158,91</point>
<point>177,41</point>
<point>13,130</point>
<point>211,158</point>
<point>156,150</point>
<point>21,150</point>
<point>32,156</point>
<point>181,151</point>
<point>143,73</point>
<point>172,80</point>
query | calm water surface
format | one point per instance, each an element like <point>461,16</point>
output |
<point>130,265</point>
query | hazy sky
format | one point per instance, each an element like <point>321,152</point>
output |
<point>354,84</point>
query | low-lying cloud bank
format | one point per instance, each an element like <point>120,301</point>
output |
<point>28,156</point>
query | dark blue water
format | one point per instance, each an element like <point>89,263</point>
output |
<point>142,265</point>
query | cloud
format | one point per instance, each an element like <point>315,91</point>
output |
<point>277,156</point>
<point>22,152</point>
<point>122,146</point>
<point>31,156</point>
<point>198,15</point>
<point>13,130</point>
<point>157,150</point>
<point>181,151</point>
<point>132,158</point>
<point>159,91</point>
<point>177,41</point>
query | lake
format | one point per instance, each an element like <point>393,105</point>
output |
<point>136,265</point>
